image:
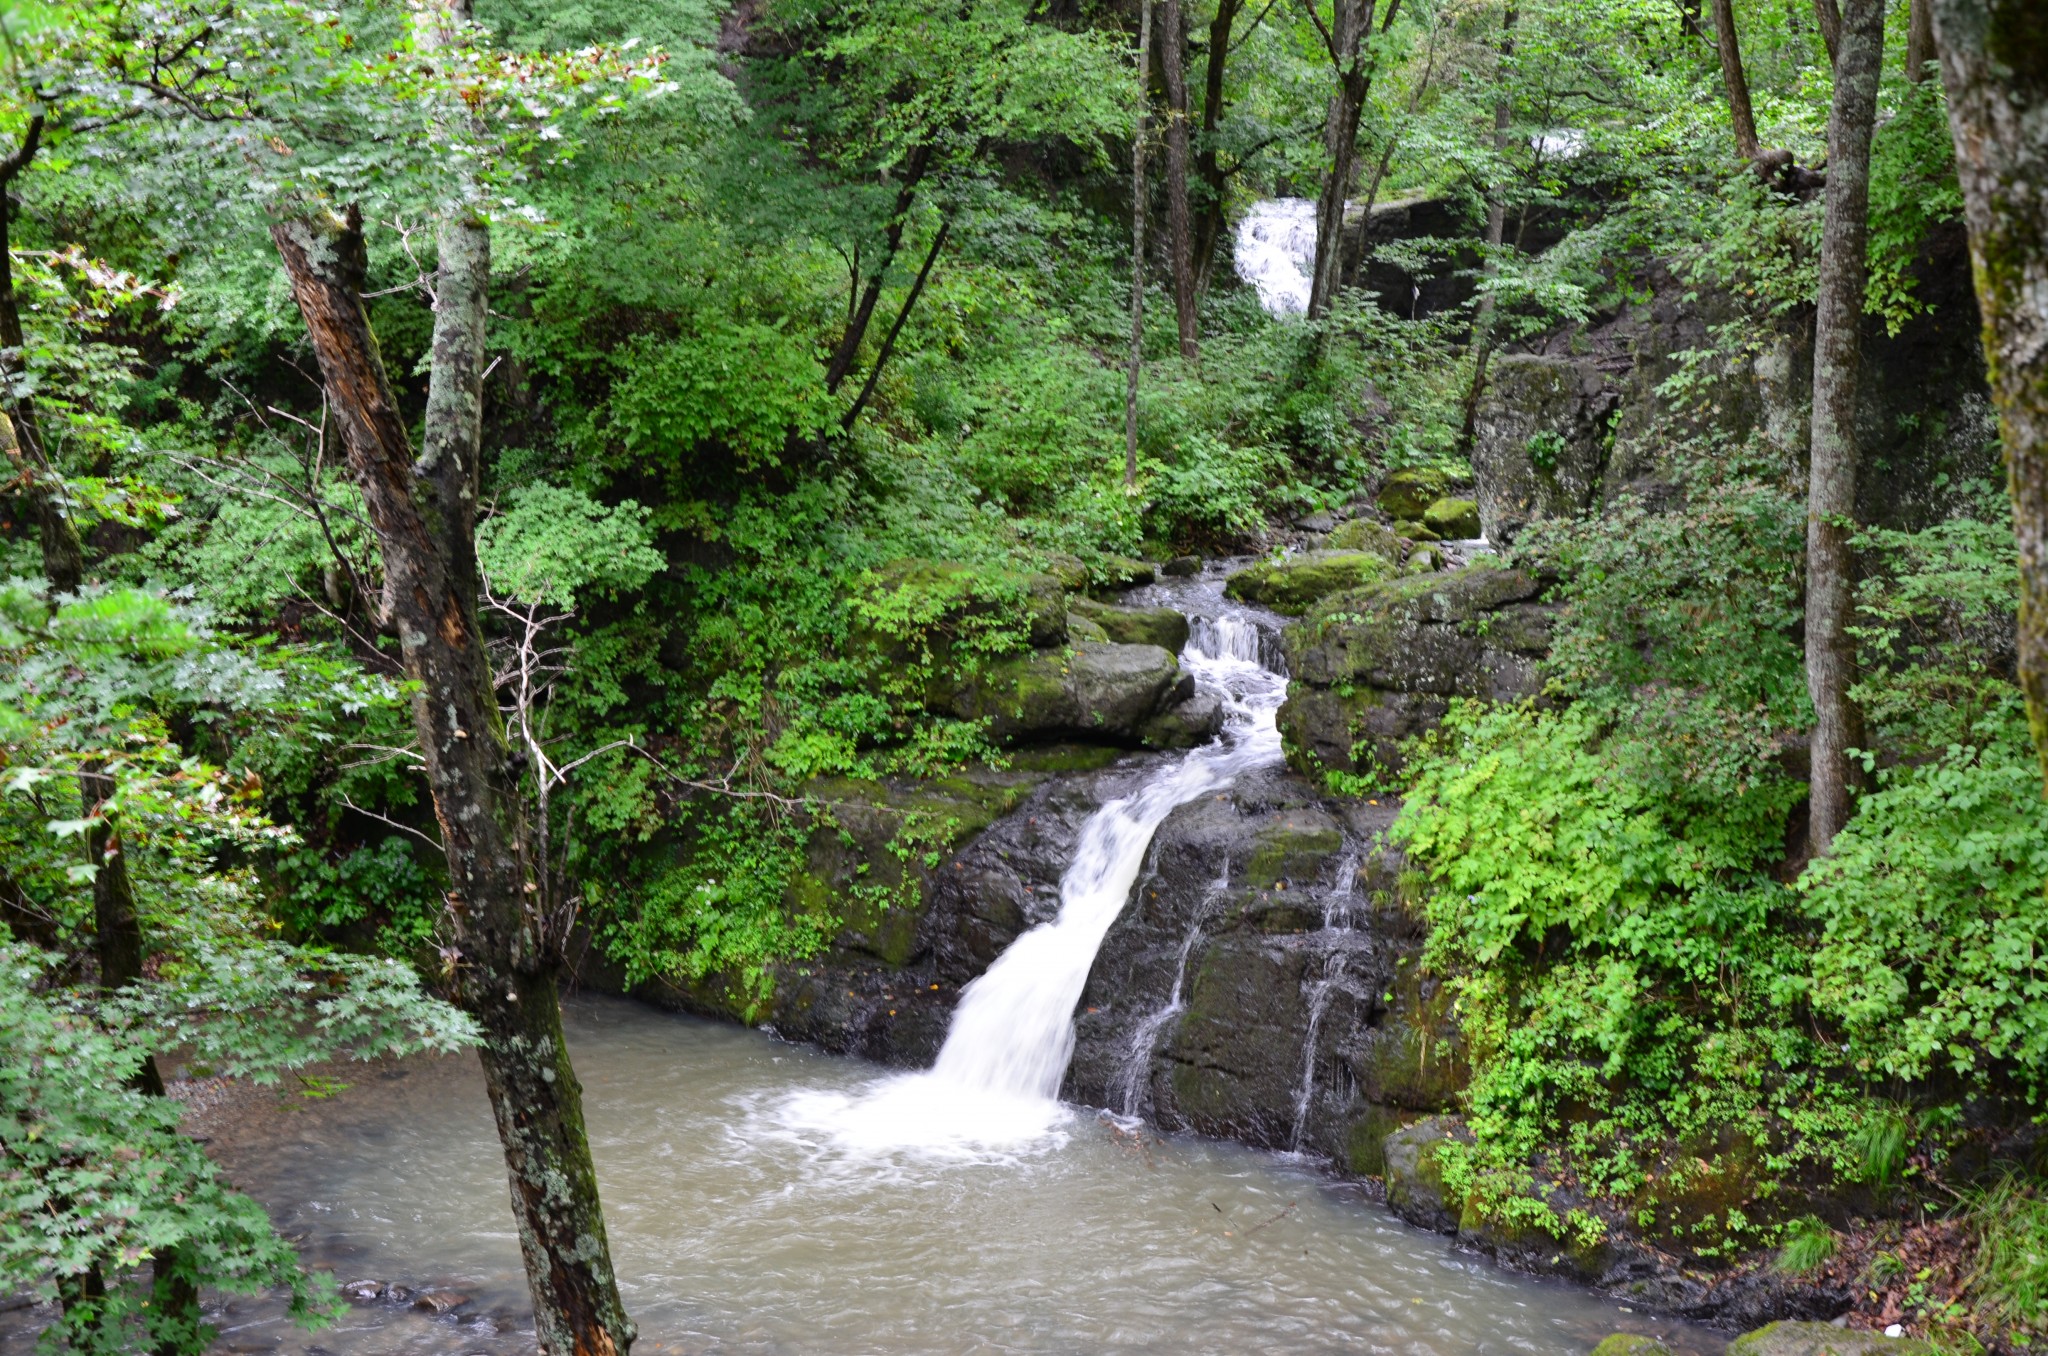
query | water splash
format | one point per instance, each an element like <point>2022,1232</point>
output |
<point>998,1074</point>
<point>1318,1003</point>
<point>1276,246</point>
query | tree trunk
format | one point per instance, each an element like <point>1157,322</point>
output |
<point>1740,114</point>
<point>1137,357</point>
<point>1919,40</point>
<point>1994,65</point>
<point>1831,475</point>
<point>506,957</point>
<point>20,442</point>
<point>1180,242</point>
<point>1211,220</point>
<point>1828,15</point>
<point>1352,23</point>
<point>841,364</point>
<point>1496,227</point>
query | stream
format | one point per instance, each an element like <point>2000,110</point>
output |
<point>763,1198</point>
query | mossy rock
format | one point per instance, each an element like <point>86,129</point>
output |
<point>1293,849</point>
<point>1414,531</point>
<point>1409,493</point>
<point>1631,1344</point>
<point>1294,585</point>
<point>1453,519</point>
<point>1182,567</point>
<point>1161,626</point>
<point>1080,626</point>
<point>1822,1339</point>
<point>1415,1179</point>
<point>1122,572</point>
<point>1362,534</point>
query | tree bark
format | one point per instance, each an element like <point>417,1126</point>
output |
<point>1919,40</point>
<point>1137,356</point>
<point>1496,227</point>
<point>20,441</point>
<point>1180,243</point>
<point>1740,114</point>
<point>924,271</point>
<point>1827,14</point>
<point>506,956</point>
<point>1210,221</point>
<point>1346,44</point>
<point>1994,66</point>
<point>1831,475</point>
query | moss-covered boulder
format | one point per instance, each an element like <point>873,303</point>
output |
<point>1092,690</point>
<point>1185,724</point>
<point>1408,530</point>
<point>1182,567</point>
<point>1415,1176</point>
<point>911,607</point>
<point>1293,585</point>
<point>1363,534</point>
<point>1081,626</point>
<point>1375,666</point>
<point>1452,519</point>
<point>1822,1339</point>
<point>1161,626</point>
<point>1631,1344</point>
<point>1409,493</point>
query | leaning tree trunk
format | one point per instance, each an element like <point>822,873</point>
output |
<point>1994,65</point>
<point>506,959</point>
<point>1831,475</point>
<point>1740,115</point>
<point>1352,23</point>
<point>1180,242</point>
<point>1137,357</point>
<point>1210,222</point>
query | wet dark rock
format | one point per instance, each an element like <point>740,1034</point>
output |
<point>1540,440</point>
<point>1184,725</point>
<point>439,1301</point>
<point>362,1292</point>
<point>1182,567</point>
<point>1415,1178</point>
<point>1376,666</point>
<point>1091,690</point>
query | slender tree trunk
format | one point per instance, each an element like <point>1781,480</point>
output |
<point>1180,242</point>
<point>20,441</point>
<point>506,955</point>
<point>1828,15</point>
<point>1496,226</point>
<point>1346,39</point>
<point>1831,475</point>
<point>1137,357</point>
<point>1919,39</point>
<point>1211,219</point>
<point>1740,114</point>
<point>841,364</point>
<point>1994,65</point>
<point>924,271</point>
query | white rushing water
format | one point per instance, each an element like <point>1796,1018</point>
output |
<point>995,1085</point>
<point>1276,247</point>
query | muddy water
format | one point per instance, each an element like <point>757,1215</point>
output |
<point>740,1224</point>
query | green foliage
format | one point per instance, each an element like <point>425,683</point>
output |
<point>552,545</point>
<point>1913,188</point>
<point>382,886</point>
<point>2010,1281</point>
<point>1808,1245</point>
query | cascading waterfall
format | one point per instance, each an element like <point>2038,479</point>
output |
<point>1337,902</point>
<point>1276,245</point>
<point>998,1074</point>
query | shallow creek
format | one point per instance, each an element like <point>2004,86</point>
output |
<point>742,1221</point>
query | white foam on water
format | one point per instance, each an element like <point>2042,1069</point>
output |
<point>1276,248</point>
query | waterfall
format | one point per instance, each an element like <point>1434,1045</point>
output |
<point>1276,246</point>
<point>998,1074</point>
<point>1131,1075</point>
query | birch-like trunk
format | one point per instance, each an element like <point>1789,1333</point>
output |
<point>1831,474</point>
<point>1994,65</point>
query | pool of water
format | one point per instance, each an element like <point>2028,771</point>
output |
<point>744,1219</point>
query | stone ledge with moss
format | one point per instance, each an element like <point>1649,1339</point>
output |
<point>1293,585</point>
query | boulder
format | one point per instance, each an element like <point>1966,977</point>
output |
<point>1822,1339</point>
<point>1415,1179</point>
<point>1408,493</point>
<point>1121,572</point>
<point>1408,530</point>
<point>1540,440</point>
<point>1095,690</point>
<point>1182,567</point>
<point>1161,626</point>
<point>1375,666</point>
<point>1292,585</point>
<point>1185,724</point>
<point>1083,627</point>
<point>1452,519</point>
<point>1631,1344</point>
<point>1362,534</point>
